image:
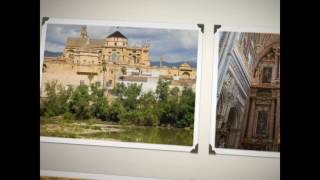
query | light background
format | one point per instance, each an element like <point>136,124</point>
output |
<point>167,164</point>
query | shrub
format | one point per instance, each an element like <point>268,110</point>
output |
<point>68,115</point>
<point>80,102</point>
<point>57,101</point>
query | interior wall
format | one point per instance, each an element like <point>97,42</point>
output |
<point>167,164</point>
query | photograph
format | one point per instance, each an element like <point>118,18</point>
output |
<point>247,102</point>
<point>60,178</point>
<point>119,83</point>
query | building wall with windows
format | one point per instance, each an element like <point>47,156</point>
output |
<point>261,128</point>
<point>233,91</point>
<point>104,61</point>
<point>248,96</point>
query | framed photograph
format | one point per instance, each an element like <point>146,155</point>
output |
<point>246,92</point>
<point>65,175</point>
<point>121,84</point>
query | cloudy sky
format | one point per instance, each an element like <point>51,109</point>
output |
<point>174,45</point>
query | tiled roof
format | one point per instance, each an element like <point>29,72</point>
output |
<point>117,34</point>
<point>78,42</point>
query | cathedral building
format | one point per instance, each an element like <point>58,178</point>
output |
<point>114,48</point>
<point>108,61</point>
<point>248,106</point>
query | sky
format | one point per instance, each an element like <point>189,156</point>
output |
<point>174,45</point>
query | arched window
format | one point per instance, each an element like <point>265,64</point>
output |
<point>134,59</point>
<point>267,75</point>
<point>114,56</point>
<point>44,68</point>
<point>186,75</point>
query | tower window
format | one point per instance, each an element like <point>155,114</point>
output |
<point>114,56</point>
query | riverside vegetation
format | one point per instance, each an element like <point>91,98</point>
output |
<point>165,116</point>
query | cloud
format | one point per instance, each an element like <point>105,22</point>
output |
<point>54,47</point>
<point>174,44</point>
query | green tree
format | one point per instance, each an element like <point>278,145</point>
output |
<point>119,90</point>
<point>99,106</point>
<point>129,117</point>
<point>172,105</point>
<point>131,94</point>
<point>166,103</point>
<point>80,102</point>
<point>115,110</point>
<point>147,108</point>
<point>162,90</point>
<point>186,108</point>
<point>57,99</point>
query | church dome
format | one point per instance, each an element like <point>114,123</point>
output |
<point>185,65</point>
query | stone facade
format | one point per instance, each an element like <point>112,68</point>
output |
<point>108,61</point>
<point>248,106</point>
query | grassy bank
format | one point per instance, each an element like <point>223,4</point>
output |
<point>105,130</point>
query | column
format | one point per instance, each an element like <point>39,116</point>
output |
<point>277,118</point>
<point>251,117</point>
<point>277,66</point>
<point>244,120</point>
<point>271,120</point>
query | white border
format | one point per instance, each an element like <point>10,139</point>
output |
<point>65,174</point>
<point>130,24</point>
<point>225,151</point>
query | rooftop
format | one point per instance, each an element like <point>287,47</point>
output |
<point>117,34</point>
<point>78,42</point>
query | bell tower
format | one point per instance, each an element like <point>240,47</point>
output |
<point>83,32</point>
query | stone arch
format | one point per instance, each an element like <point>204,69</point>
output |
<point>264,53</point>
<point>186,74</point>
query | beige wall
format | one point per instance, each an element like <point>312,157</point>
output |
<point>152,163</point>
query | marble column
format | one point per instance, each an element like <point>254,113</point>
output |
<point>271,121</point>
<point>278,66</point>
<point>277,119</point>
<point>251,117</point>
<point>245,119</point>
